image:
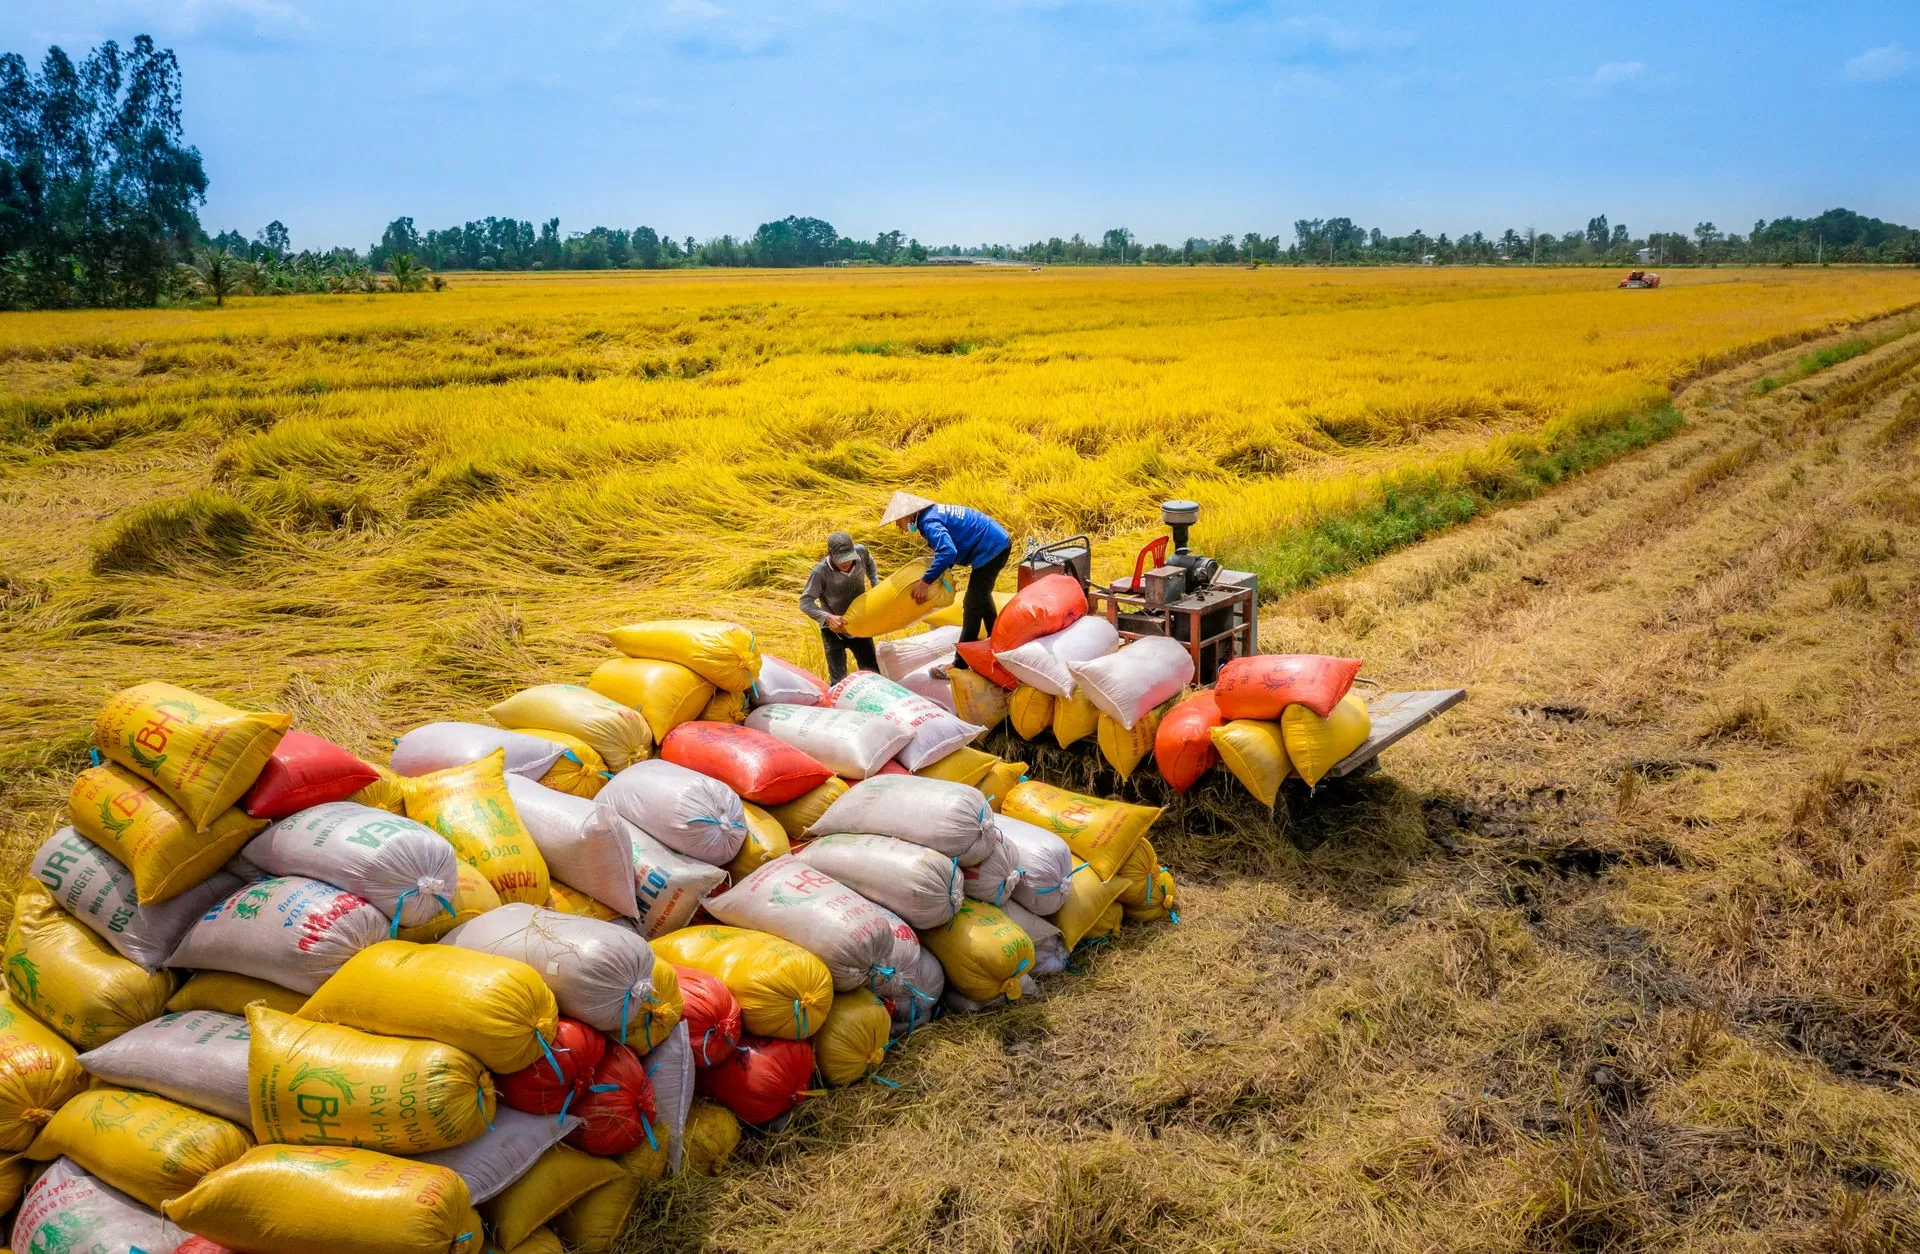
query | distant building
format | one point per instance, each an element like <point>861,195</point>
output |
<point>1430,259</point>
<point>1643,255</point>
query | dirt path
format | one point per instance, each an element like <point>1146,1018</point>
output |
<point>1622,955</point>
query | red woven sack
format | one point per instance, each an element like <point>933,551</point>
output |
<point>711,1014</point>
<point>1039,609</point>
<point>1262,686</point>
<point>1183,745</point>
<point>979,655</point>
<point>617,1110</point>
<point>305,771</point>
<point>538,1088</point>
<point>892,767</point>
<point>764,770</point>
<point>762,1081</point>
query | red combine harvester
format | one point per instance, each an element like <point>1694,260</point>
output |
<point>1641,278</point>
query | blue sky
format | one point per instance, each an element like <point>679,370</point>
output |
<point>1011,120</point>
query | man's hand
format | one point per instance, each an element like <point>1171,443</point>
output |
<point>836,622</point>
<point>921,591</point>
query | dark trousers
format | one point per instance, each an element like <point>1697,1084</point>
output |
<point>837,645</point>
<point>977,612</point>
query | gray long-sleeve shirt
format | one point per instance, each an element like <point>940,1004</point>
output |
<point>831,591</point>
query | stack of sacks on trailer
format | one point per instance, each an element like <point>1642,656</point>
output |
<point>1266,717</point>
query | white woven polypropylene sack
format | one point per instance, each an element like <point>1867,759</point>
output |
<point>901,984</point>
<point>287,930</point>
<point>67,1209</point>
<point>922,683</point>
<point>921,885</point>
<point>900,658</point>
<point>993,878</point>
<point>848,743</point>
<point>670,1069</point>
<point>953,999</point>
<point>196,1057</point>
<point>798,903</point>
<point>504,1152</point>
<point>783,683</point>
<point>437,746</point>
<point>93,886</point>
<point>1046,864</point>
<point>600,972</point>
<point>948,817</point>
<point>929,982</point>
<point>1044,663</point>
<point>936,730</point>
<point>1049,946</point>
<point>583,843</point>
<point>667,886</point>
<point>1126,684</point>
<point>402,867</point>
<point>684,810</point>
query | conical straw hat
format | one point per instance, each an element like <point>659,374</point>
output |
<point>904,505</point>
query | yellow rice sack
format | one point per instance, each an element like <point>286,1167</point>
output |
<point>387,793</point>
<point>14,1173</point>
<point>712,1133</point>
<point>321,1084</point>
<point>231,994</point>
<point>1001,780</point>
<point>782,989</point>
<point>723,654</point>
<point>497,1009</point>
<point>141,826</point>
<point>766,840</point>
<point>1108,924</point>
<point>544,1241</point>
<point>1031,711</point>
<point>1125,748</point>
<point>665,1006</point>
<point>852,1043</point>
<point>202,754</point>
<point>1100,832</point>
<point>725,707</point>
<point>667,694</point>
<point>1316,745</point>
<point>977,699</point>
<point>617,732</point>
<point>982,951</point>
<point>889,607</point>
<point>67,976</point>
<point>1075,718</point>
<point>953,615</point>
<point>562,1176</point>
<point>1088,897</point>
<point>1158,900</point>
<point>39,1073</point>
<point>469,805</point>
<point>590,1225</point>
<point>287,1199</point>
<point>472,897</point>
<point>965,765</point>
<point>796,816</point>
<point>147,1147</point>
<point>568,900</point>
<point>579,770</point>
<point>1252,750</point>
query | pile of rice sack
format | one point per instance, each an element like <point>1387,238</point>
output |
<point>263,995</point>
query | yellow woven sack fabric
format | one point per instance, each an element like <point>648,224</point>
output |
<point>472,897</point>
<point>712,1133</point>
<point>1031,712</point>
<point>321,1084</point>
<point>590,1225</point>
<point>1253,752</point>
<point>667,694</point>
<point>889,607</point>
<point>1124,748</point>
<point>1315,745</point>
<point>982,951</point>
<point>231,994</point>
<point>147,1147</point>
<point>544,1241</point>
<point>579,771</point>
<point>569,900</point>
<point>766,840</point>
<point>1161,898</point>
<point>201,753</point>
<point>305,1199</point>
<point>977,699</point>
<point>965,765</point>
<point>39,1073</point>
<point>723,654</point>
<point>617,732</point>
<point>725,707</point>
<point>388,793</point>
<point>561,1176</point>
<point>68,977</point>
<point>497,1009</point>
<point>140,825</point>
<point>852,1043</point>
<point>1001,780</point>
<point>665,1006</point>
<point>1108,924</point>
<point>951,615</point>
<point>796,816</point>
<point>1088,897</point>
<point>13,1183</point>
<point>1075,718</point>
<point>1100,832</point>
<point>782,989</point>
<point>1136,875</point>
<point>469,805</point>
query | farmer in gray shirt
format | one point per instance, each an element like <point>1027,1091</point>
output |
<point>843,574</point>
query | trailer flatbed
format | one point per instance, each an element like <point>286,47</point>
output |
<point>1396,715</point>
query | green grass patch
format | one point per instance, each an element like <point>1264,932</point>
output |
<point>1832,355</point>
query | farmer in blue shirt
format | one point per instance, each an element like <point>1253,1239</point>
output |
<point>958,536</point>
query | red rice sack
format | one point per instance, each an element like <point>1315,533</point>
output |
<point>1183,745</point>
<point>305,770</point>
<point>617,1110</point>
<point>548,1085</point>
<point>763,1080</point>
<point>978,655</point>
<point>760,768</point>
<point>1041,608</point>
<point>1261,687</point>
<point>711,1013</point>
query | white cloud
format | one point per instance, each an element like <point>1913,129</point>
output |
<point>1614,73</point>
<point>1877,65</point>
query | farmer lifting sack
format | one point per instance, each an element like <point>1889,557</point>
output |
<point>1263,686</point>
<point>783,990</point>
<point>1044,860</point>
<point>667,694</point>
<point>1101,832</point>
<point>583,843</point>
<point>723,654</point>
<point>61,972</point>
<point>949,818</point>
<point>921,885</point>
<point>94,887</point>
<point>793,900</point>
<point>1316,745</point>
<point>439,746</point>
<point>38,1074</point>
<point>322,1084</point>
<point>150,835</point>
<point>852,1043</point>
<point>202,754</point>
<point>147,1147</point>
<point>290,930</point>
<point>887,607</point>
<point>305,770</point>
<point>406,869</point>
<point>618,733</point>
<point>1044,607</point>
<point>682,809</point>
<point>471,807</point>
<point>1252,752</point>
<point>847,742</point>
<point>936,732</point>
<point>752,763</point>
<point>983,952</point>
<point>1183,743</point>
<point>668,886</point>
<point>1045,663</point>
<point>600,973</point>
<point>1128,683</point>
<point>197,1058</point>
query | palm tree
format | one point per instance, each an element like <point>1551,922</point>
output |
<point>219,272</point>
<point>407,275</point>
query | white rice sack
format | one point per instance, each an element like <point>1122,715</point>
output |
<point>583,843</point>
<point>69,1210</point>
<point>816,912</point>
<point>921,885</point>
<point>668,886</point>
<point>601,973</point>
<point>947,817</point>
<point>783,683</point>
<point>1044,663</point>
<point>437,746</point>
<point>924,990</point>
<point>670,1068</point>
<point>923,684</point>
<point>900,658</point>
<point>898,984</point>
<point>1049,946</point>
<point>404,868</point>
<point>936,730</point>
<point>993,878</point>
<point>1126,684</point>
<point>848,743</point>
<point>93,886</point>
<point>1046,864</point>
<point>195,1057</point>
<point>287,930</point>
<point>953,999</point>
<point>504,1152</point>
<point>684,810</point>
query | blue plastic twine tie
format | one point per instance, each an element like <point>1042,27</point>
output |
<point>562,1116</point>
<point>93,756</point>
<point>548,1051</point>
<point>446,905</point>
<point>646,1126</point>
<point>601,1088</point>
<point>480,1103</point>
<point>1173,916</point>
<point>800,1018</point>
<point>883,1080</point>
<point>399,904</point>
<point>626,1000</point>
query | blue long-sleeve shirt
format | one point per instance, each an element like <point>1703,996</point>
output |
<point>959,536</point>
